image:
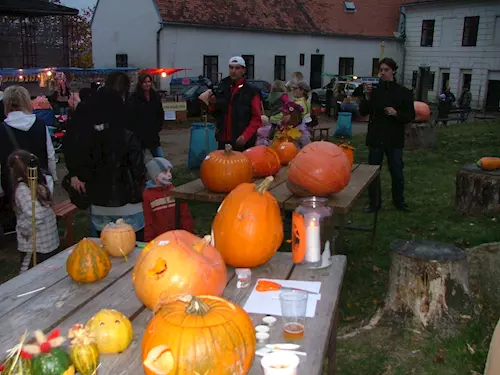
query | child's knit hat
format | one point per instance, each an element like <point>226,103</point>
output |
<point>157,165</point>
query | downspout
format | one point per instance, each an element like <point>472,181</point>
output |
<point>403,44</point>
<point>158,51</point>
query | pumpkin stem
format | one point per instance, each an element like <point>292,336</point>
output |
<point>264,185</point>
<point>204,242</point>
<point>228,149</point>
<point>197,307</point>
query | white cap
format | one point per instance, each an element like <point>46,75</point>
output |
<point>237,60</point>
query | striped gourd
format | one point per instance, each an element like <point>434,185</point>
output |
<point>83,350</point>
<point>88,262</point>
<point>20,367</point>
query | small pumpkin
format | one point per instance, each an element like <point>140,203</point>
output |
<point>320,169</point>
<point>265,161</point>
<point>422,112</point>
<point>286,151</point>
<point>219,332</point>
<point>349,151</point>
<point>248,229</point>
<point>118,239</point>
<point>489,163</point>
<point>83,350</point>
<point>48,358</point>
<point>112,330</point>
<point>88,262</point>
<point>222,171</point>
<point>172,263</point>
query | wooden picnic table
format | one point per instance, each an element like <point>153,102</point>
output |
<point>362,176</point>
<point>64,302</point>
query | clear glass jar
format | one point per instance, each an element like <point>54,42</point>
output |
<point>312,232</point>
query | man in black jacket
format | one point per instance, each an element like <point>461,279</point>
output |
<point>390,107</point>
<point>236,105</point>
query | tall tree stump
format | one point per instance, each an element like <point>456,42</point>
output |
<point>420,135</point>
<point>428,280</point>
<point>477,191</point>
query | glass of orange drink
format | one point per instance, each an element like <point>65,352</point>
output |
<point>293,311</point>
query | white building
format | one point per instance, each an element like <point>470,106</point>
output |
<point>275,37</point>
<point>459,41</point>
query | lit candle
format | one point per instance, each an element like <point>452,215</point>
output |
<point>313,239</point>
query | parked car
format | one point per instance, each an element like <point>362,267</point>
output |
<point>319,95</point>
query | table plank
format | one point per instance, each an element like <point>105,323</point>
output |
<point>188,190</point>
<point>53,305</point>
<point>317,330</point>
<point>130,361</point>
<point>341,203</point>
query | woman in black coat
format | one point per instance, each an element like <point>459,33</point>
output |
<point>147,113</point>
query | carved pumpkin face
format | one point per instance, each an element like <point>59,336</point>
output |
<point>178,262</point>
<point>112,330</point>
<point>298,238</point>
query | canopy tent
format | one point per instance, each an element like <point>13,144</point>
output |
<point>350,77</point>
<point>164,72</point>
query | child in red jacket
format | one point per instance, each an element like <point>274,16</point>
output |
<point>158,205</point>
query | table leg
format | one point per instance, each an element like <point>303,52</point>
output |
<point>339,241</point>
<point>178,213</point>
<point>332,346</point>
<point>375,214</point>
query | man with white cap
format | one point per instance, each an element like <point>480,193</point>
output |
<point>236,105</point>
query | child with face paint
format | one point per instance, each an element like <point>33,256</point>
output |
<point>158,205</point>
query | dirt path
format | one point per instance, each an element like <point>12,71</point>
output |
<point>175,142</point>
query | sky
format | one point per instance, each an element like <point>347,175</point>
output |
<point>78,4</point>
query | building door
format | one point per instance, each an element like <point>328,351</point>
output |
<point>316,71</point>
<point>445,81</point>
<point>493,96</point>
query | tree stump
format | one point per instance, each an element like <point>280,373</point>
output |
<point>420,136</point>
<point>477,191</point>
<point>428,280</point>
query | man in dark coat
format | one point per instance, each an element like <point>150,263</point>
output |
<point>236,105</point>
<point>390,107</point>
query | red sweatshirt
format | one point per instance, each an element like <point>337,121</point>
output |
<point>159,212</point>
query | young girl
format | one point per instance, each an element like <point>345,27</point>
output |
<point>292,125</point>
<point>47,237</point>
<point>301,90</point>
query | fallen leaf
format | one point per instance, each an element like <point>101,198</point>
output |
<point>474,372</point>
<point>414,339</point>
<point>439,357</point>
<point>376,301</point>
<point>350,318</point>
<point>433,228</point>
<point>376,269</point>
<point>465,317</point>
<point>471,349</point>
<point>493,219</point>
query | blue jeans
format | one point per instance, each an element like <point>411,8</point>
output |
<point>157,152</point>
<point>396,165</point>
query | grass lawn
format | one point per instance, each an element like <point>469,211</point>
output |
<point>430,191</point>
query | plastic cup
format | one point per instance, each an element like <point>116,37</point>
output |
<point>293,312</point>
<point>280,363</point>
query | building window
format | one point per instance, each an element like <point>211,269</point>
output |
<point>346,66</point>
<point>279,67</point>
<point>302,59</point>
<point>427,36</point>
<point>414,78</point>
<point>375,67</point>
<point>349,6</point>
<point>211,67</point>
<point>250,62</point>
<point>471,25</point>
<point>122,60</point>
<point>445,81</point>
<point>496,36</point>
<point>432,81</point>
<point>466,80</point>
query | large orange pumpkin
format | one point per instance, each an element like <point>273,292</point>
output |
<point>248,229</point>
<point>265,161</point>
<point>88,262</point>
<point>320,169</point>
<point>178,262</point>
<point>422,112</point>
<point>222,171</point>
<point>199,335</point>
<point>118,238</point>
<point>286,151</point>
<point>349,151</point>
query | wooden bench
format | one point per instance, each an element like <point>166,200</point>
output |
<point>362,176</point>
<point>64,212</point>
<point>56,301</point>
